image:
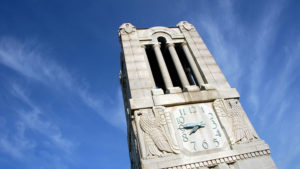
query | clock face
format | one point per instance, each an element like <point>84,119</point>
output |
<point>197,127</point>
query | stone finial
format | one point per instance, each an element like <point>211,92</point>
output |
<point>185,25</point>
<point>126,28</point>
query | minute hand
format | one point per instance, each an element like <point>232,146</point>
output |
<point>194,126</point>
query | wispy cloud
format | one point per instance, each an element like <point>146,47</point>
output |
<point>218,29</point>
<point>28,59</point>
<point>266,32</point>
<point>279,101</point>
<point>17,144</point>
<point>224,52</point>
<point>227,39</point>
<point>281,111</point>
<point>246,54</point>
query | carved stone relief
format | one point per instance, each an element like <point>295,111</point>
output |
<point>157,133</point>
<point>186,25</point>
<point>127,28</point>
<point>235,121</point>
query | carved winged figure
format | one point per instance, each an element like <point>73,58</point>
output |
<point>157,140</point>
<point>236,123</point>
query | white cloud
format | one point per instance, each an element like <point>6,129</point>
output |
<point>245,53</point>
<point>7,146</point>
<point>247,57</point>
<point>31,120</point>
<point>27,59</point>
<point>31,132</point>
<point>266,31</point>
<point>117,111</point>
<point>16,143</point>
<point>217,28</point>
<point>279,99</point>
<point>224,52</point>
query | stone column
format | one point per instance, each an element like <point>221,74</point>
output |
<point>178,66</point>
<point>162,66</point>
<point>192,63</point>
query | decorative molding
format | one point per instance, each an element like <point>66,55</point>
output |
<point>126,28</point>
<point>227,159</point>
<point>234,119</point>
<point>152,33</point>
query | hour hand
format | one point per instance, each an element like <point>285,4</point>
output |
<point>194,126</point>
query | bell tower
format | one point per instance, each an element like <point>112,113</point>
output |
<point>181,112</point>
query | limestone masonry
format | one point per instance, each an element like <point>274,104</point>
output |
<point>181,112</point>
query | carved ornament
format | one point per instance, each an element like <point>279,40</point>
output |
<point>127,28</point>
<point>186,25</point>
<point>157,132</point>
<point>234,119</point>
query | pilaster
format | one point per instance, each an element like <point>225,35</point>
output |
<point>139,77</point>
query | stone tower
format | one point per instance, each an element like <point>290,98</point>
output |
<point>181,112</point>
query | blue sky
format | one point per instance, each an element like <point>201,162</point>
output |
<point>61,105</point>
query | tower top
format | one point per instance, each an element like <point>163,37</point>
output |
<point>181,112</point>
<point>159,61</point>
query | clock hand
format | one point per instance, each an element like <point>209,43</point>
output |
<point>194,129</point>
<point>194,126</point>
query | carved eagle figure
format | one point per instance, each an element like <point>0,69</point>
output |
<point>232,110</point>
<point>155,139</point>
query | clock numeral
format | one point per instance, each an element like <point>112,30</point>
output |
<point>181,127</point>
<point>212,120</point>
<point>185,138</point>
<point>205,144</point>
<point>202,109</point>
<point>218,133</point>
<point>182,112</point>
<point>180,120</point>
<point>193,109</point>
<point>215,124</point>
<point>194,145</point>
<point>184,126</point>
<point>216,142</point>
